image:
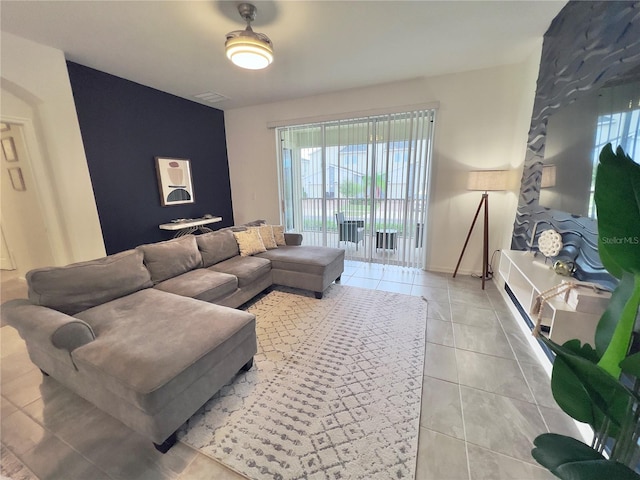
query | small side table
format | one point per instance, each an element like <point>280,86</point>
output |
<point>386,239</point>
<point>185,227</point>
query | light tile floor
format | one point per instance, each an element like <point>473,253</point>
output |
<point>485,398</point>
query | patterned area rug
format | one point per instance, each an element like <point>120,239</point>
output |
<point>11,468</point>
<point>335,391</point>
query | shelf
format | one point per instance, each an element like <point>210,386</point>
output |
<point>528,276</point>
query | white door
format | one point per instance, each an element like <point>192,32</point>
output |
<point>6,263</point>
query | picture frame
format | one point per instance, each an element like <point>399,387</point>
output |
<point>17,180</point>
<point>175,181</point>
<point>9,150</point>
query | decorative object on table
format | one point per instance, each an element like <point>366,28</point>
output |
<point>9,150</point>
<point>593,297</point>
<point>484,180</point>
<point>565,268</point>
<point>586,382</point>
<point>538,305</point>
<point>174,181</point>
<point>246,48</point>
<point>588,297</point>
<point>550,243</point>
<point>17,180</point>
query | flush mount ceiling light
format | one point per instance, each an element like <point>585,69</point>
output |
<point>248,49</point>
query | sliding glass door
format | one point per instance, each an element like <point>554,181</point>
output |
<point>360,184</point>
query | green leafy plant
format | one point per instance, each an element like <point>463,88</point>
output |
<point>585,381</point>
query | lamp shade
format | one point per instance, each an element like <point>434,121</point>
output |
<point>486,180</point>
<point>549,173</point>
<point>249,51</point>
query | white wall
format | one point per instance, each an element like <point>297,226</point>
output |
<point>482,123</point>
<point>37,75</point>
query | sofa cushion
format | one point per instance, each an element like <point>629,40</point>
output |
<point>308,259</point>
<point>249,242</point>
<point>247,269</point>
<point>201,284</point>
<point>278,234</point>
<point>171,258</point>
<point>83,285</point>
<point>266,234</point>
<point>217,246</point>
<point>143,351</point>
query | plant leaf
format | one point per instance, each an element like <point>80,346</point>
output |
<point>631,365</point>
<point>617,198</point>
<point>595,470</point>
<point>620,340</point>
<point>568,391</point>
<point>609,320</point>
<point>604,391</point>
<point>570,459</point>
<point>585,350</point>
<point>553,450</point>
<point>570,395</point>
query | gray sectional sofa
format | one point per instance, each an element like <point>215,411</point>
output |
<point>148,335</point>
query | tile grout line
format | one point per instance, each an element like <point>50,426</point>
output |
<point>526,381</point>
<point>50,432</point>
<point>455,352</point>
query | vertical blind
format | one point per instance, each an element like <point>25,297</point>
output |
<point>373,172</point>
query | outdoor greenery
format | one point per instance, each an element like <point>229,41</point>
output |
<point>356,190</point>
<point>600,386</point>
<point>312,224</point>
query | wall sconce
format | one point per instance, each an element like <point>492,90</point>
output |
<point>549,173</point>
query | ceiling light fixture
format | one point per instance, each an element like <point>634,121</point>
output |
<point>246,48</point>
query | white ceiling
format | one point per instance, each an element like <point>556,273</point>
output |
<point>320,46</point>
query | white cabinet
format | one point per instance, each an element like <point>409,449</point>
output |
<point>526,277</point>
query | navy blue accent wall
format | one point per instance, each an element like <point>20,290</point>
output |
<point>124,126</point>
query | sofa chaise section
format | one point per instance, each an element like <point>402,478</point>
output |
<point>158,357</point>
<point>311,268</point>
<point>148,357</point>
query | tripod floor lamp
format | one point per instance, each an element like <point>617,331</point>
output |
<point>484,180</point>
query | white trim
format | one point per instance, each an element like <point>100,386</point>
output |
<point>351,115</point>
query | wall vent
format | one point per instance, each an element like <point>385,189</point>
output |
<point>211,97</point>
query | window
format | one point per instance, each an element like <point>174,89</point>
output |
<point>373,170</point>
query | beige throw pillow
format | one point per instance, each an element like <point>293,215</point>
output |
<point>249,242</point>
<point>278,234</point>
<point>266,233</point>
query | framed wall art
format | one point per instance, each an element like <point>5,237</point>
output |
<point>174,181</point>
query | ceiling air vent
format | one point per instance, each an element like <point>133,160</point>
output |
<point>211,97</point>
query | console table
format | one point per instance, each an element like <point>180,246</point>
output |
<point>190,225</point>
<point>525,277</point>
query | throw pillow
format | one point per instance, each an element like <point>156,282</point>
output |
<point>278,233</point>
<point>249,242</point>
<point>266,233</point>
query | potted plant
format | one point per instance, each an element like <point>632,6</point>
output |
<point>601,386</point>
